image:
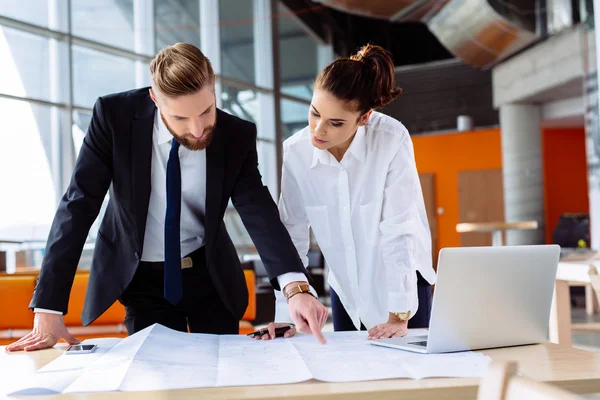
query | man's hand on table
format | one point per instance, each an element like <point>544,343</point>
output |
<point>48,329</point>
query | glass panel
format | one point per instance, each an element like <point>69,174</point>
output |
<point>143,77</point>
<point>26,66</point>
<point>177,21</point>
<point>246,104</point>
<point>240,102</point>
<point>105,21</point>
<point>294,117</point>
<point>22,10</point>
<point>81,123</point>
<point>267,166</point>
<point>238,233</point>
<point>97,74</point>
<point>297,56</point>
<point>268,171</point>
<point>237,39</point>
<point>28,202</point>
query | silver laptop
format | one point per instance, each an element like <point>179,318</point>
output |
<point>488,297</point>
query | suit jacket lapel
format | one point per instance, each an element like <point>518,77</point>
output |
<point>215,164</point>
<point>141,159</point>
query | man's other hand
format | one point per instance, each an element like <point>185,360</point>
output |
<point>48,329</point>
<point>308,314</point>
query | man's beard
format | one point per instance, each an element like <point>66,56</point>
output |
<point>189,142</point>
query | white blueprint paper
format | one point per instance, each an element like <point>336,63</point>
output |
<point>159,358</point>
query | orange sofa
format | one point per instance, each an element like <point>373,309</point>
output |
<point>16,320</point>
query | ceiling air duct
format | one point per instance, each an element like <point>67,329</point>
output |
<point>480,32</point>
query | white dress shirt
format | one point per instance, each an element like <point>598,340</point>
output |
<point>193,196</point>
<point>193,201</point>
<point>368,217</point>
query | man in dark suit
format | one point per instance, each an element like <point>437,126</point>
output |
<point>172,161</point>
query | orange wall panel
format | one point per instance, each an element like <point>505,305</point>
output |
<point>565,174</point>
<point>564,162</point>
<point>445,155</point>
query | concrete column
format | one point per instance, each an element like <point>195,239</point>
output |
<point>593,128</point>
<point>522,171</point>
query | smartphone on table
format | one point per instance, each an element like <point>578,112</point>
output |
<point>81,349</point>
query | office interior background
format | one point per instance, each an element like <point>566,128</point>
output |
<point>500,97</point>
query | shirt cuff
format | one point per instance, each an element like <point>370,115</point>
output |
<point>43,310</point>
<point>403,302</point>
<point>290,277</point>
<point>282,313</point>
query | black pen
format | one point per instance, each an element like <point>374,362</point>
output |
<point>278,331</point>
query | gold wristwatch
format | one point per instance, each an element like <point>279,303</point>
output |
<point>402,316</point>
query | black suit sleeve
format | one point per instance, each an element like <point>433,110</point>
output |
<point>76,213</point>
<point>260,216</point>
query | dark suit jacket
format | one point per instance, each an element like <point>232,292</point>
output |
<point>116,154</point>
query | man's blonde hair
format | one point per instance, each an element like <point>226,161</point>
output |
<point>180,69</point>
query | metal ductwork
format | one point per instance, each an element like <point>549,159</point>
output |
<point>480,32</point>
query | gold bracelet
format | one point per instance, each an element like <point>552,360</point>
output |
<point>403,316</point>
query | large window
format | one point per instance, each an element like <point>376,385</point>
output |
<point>28,155</point>
<point>237,39</point>
<point>26,66</point>
<point>104,21</point>
<point>96,73</point>
<point>298,56</point>
<point>245,104</point>
<point>81,123</point>
<point>47,91</point>
<point>58,56</point>
<point>177,21</point>
<point>36,14</point>
<point>294,116</point>
<point>240,102</point>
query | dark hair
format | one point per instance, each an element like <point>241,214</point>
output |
<point>366,79</point>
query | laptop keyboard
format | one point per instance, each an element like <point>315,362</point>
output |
<point>423,343</point>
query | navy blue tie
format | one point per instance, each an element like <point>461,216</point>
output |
<point>173,287</point>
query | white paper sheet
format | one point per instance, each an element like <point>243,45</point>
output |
<point>245,361</point>
<point>173,360</point>
<point>159,358</point>
<point>79,361</point>
<point>58,375</point>
<point>349,357</point>
<point>107,373</point>
<point>42,384</point>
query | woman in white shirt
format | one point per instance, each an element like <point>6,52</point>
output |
<point>351,176</point>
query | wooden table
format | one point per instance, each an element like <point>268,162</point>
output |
<point>572,369</point>
<point>497,228</point>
